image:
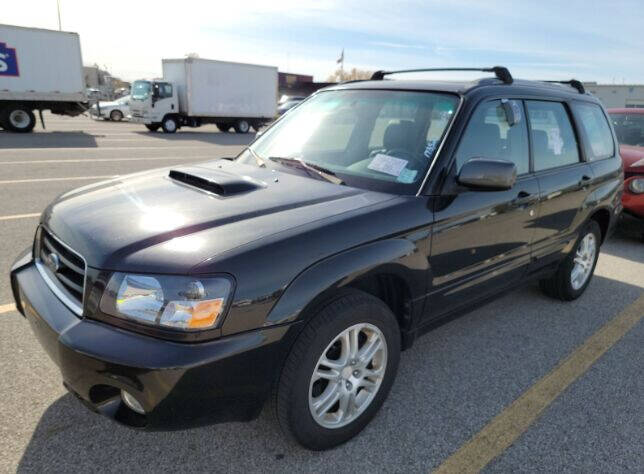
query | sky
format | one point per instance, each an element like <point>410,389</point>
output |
<point>589,40</point>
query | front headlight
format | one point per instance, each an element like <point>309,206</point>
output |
<point>636,185</point>
<point>170,301</point>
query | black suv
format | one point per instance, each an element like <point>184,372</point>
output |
<point>299,270</point>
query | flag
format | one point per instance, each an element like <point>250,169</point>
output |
<point>341,58</point>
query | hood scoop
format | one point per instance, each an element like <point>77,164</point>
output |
<point>217,182</point>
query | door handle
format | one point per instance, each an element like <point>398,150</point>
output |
<point>523,194</point>
<point>584,179</point>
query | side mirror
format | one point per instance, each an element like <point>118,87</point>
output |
<point>488,175</point>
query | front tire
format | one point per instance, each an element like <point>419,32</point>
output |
<point>19,119</point>
<point>576,270</point>
<point>153,127</point>
<point>116,116</point>
<point>169,125</point>
<point>339,371</point>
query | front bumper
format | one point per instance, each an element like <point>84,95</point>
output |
<point>139,119</point>
<point>179,385</point>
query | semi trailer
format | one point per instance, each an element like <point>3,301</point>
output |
<point>39,70</point>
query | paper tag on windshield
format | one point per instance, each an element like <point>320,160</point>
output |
<point>407,176</point>
<point>387,164</point>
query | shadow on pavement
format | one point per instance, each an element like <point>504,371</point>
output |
<point>450,384</point>
<point>627,241</point>
<point>217,138</point>
<point>67,139</point>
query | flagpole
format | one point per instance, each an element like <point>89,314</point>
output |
<point>60,28</point>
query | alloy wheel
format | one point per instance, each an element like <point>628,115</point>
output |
<point>584,260</point>
<point>348,375</point>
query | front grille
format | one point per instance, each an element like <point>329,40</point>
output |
<point>65,267</point>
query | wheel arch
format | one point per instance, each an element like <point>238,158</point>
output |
<point>380,269</point>
<point>602,216</point>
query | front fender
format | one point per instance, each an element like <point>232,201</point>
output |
<point>399,256</point>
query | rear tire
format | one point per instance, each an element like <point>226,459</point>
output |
<point>223,127</point>
<point>169,125</point>
<point>153,127</point>
<point>242,126</point>
<point>116,116</point>
<point>576,270</point>
<point>19,119</point>
<point>305,402</point>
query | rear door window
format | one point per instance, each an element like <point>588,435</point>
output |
<point>490,135</point>
<point>553,140</point>
<point>597,135</point>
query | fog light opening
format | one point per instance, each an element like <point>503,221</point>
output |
<point>131,402</point>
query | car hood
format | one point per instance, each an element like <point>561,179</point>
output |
<point>163,221</point>
<point>631,155</point>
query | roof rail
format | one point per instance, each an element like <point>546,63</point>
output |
<point>500,72</point>
<point>572,83</point>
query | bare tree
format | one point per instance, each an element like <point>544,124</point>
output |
<point>340,75</point>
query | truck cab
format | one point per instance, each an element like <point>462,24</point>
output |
<point>155,104</point>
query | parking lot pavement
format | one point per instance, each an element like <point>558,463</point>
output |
<point>451,385</point>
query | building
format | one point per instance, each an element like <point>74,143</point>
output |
<point>102,81</point>
<point>298,84</point>
<point>617,95</point>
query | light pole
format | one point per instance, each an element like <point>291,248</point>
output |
<point>60,28</point>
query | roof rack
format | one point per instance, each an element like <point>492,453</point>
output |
<point>572,83</point>
<point>500,72</point>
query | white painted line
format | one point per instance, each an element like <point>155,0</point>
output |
<point>100,160</point>
<point>41,180</point>
<point>5,308</point>
<point>49,149</point>
<point>19,216</point>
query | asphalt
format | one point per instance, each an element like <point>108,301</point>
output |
<point>450,385</point>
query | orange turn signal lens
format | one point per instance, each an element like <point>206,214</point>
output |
<point>205,313</point>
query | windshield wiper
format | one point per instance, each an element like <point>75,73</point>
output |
<point>310,168</point>
<point>261,162</point>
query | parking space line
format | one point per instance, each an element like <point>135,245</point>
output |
<point>19,216</point>
<point>41,180</point>
<point>514,420</point>
<point>5,308</point>
<point>101,148</point>
<point>100,160</point>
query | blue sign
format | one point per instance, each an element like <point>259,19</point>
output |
<point>8,61</point>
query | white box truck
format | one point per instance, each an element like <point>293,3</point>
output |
<point>197,91</point>
<point>39,70</point>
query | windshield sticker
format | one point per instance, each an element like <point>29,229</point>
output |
<point>387,164</point>
<point>431,147</point>
<point>407,176</point>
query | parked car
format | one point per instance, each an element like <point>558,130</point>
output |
<point>298,271</point>
<point>286,103</point>
<point>115,110</point>
<point>629,127</point>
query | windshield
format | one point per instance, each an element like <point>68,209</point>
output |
<point>629,128</point>
<point>141,90</point>
<point>374,139</point>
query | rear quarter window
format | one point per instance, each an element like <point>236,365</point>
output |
<point>597,136</point>
<point>553,140</point>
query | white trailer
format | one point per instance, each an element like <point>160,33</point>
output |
<point>197,91</point>
<point>39,70</point>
